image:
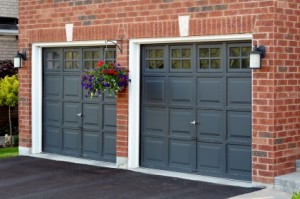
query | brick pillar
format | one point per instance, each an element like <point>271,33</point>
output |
<point>276,110</point>
<point>122,111</point>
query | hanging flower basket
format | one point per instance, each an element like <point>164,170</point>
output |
<point>110,78</point>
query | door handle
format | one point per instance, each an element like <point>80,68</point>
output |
<point>193,122</point>
<point>79,114</point>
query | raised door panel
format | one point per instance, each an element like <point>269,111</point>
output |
<point>211,125</point>
<point>239,127</point>
<point>91,144</point>
<point>182,91</point>
<point>109,146</point>
<point>154,90</point>
<point>154,121</point>
<point>154,151</point>
<point>239,92</point>
<point>53,87</point>
<point>239,161</point>
<point>210,92</point>
<point>92,116</point>
<point>72,88</point>
<point>181,123</point>
<point>52,139</point>
<point>71,115</point>
<point>72,142</point>
<point>210,157</point>
<point>182,154</point>
<point>52,113</point>
<point>109,117</point>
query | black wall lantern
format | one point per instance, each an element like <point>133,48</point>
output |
<point>18,58</point>
<point>256,55</point>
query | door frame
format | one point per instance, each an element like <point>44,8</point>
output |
<point>135,76</point>
<point>37,88</point>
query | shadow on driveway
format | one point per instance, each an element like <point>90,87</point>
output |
<point>34,178</point>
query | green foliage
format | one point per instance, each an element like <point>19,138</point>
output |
<point>296,195</point>
<point>9,152</point>
<point>9,91</point>
<point>106,77</point>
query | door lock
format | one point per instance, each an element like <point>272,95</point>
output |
<point>79,114</point>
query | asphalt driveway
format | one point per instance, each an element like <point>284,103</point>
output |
<point>35,178</point>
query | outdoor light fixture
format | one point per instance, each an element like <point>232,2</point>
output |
<point>256,55</point>
<point>18,58</point>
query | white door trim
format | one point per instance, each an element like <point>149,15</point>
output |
<point>134,86</point>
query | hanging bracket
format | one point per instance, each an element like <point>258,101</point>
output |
<point>119,47</point>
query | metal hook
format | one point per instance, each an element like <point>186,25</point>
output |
<point>120,48</point>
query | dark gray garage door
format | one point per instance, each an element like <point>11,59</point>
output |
<point>73,124</point>
<point>196,109</point>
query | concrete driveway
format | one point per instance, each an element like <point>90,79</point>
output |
<point>35,178</point>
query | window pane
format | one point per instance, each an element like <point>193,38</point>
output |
<point>96,55</point>
<point>234,52</point>
<point>68,65</point>
<point>176,64</point>
<point>53,55</point>
<point>159,64</point>
<point>68,55</point>
<point>50,65</point>
<point>75,55</point>
<point>215,64</point>
<point>56,65</point>
<point>234,63</point>
<point>246,51</point>
<point>204,64</point>
<point>186,64</point>
<point>75,65</point>
<point>159,53</point>
<point>95,63</point>
<point>88,65</point>
<point>186,53</point>
<point>110,55</point>
<point>53,65</point>
<point>176,53</point>
<point>151,64</point>
<point>246,63</point>
<point>215,52</point>
<point>204,52</point>
<point>87,55</point>
<point>150,54</point>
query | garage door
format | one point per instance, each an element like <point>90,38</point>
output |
<point>196,109</point>
<point>73,124</point>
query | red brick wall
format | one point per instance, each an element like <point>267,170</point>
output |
<point>274,23</point>
<point>276,136</point>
